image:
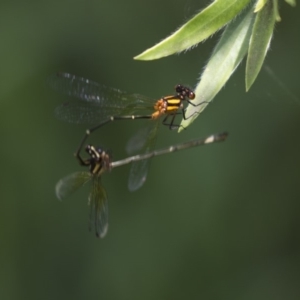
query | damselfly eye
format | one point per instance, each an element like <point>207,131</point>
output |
<point>192,95</point>
<point>178,88</point>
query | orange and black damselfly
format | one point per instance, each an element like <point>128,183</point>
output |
<point>98,162</point>
<point>99,104</point>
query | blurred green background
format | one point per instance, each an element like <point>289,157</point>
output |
<point>217,222</point>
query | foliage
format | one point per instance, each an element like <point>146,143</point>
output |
<point>248,29</point>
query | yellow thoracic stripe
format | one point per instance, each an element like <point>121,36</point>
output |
<point>174,102</point>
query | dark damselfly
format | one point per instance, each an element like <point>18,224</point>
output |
<point>99,161</point>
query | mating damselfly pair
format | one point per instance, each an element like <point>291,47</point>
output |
<point>98,104</point>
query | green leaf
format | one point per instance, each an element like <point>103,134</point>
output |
<point>276,11</point>
<point>199,28</point>
<point>259,5</point>
<point>291,2</point>
<point>260,41</point>
<point>225,58</point>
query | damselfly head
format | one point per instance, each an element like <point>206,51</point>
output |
<point>183,92</point>
<point>99,160</point>
<point>191,95</point>
<point>93,152</point>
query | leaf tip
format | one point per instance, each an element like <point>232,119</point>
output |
<point>249,83</point>
<point>259,5</point>
<point>139,56</point>
<point>291,2</point>
<point>147,55</point>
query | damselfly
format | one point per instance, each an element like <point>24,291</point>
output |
<point>98,162</point>
<point>98,104</point>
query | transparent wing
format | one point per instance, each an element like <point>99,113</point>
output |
<point>143,141</point>
<point>79,113</point>
<point>95,102</point>
<point>98,208</point>
<point>71,183</point>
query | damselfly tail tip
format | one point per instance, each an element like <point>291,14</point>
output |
<point>221,136</point>
<point>216,138</point>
